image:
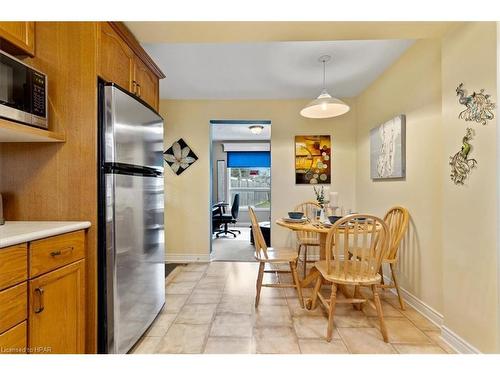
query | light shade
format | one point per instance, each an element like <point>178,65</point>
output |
<point>325,106</point>
<point>256,129</point>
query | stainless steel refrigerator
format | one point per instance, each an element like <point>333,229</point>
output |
<point>131,254</point>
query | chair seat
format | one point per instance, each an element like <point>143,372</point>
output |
<point>341,278</point>
<point>364,251</point>
<point>282,255</point>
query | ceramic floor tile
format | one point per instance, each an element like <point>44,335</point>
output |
<point>174,302</point>
<point>204,297</point>
<point>196,314</point>
<point>229,345</point>
<point>387,309</point>
<point>184,339</point>
<point>236,304</point>
<point>269,315</point>
<point>365,341</point>
<point>321,346</point>
<point>196,267</point>
<point>161,324</point>
<point>214,283</point>
<point>182,287</point>
<point>436,338</point>
<point>356,319</point>
<point>418,349</point>
<point>186,276</point>
<point>312,327</point>
<point>232,325</point>
<point>402,331</point>
<point>147,345</point>
<point>275,340</point>
<point>419,320</point>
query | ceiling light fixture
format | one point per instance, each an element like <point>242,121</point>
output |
<point>256,129</point>
<point>324,106</point>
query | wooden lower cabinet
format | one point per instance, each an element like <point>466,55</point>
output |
<point>14,340</point>
<point>57,311</point>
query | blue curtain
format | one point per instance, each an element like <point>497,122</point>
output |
<point>249,159</point>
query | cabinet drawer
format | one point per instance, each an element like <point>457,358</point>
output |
<point>14,340</point>
<point>13,306</point>
<point>13,265</point>
<point>54,252</point>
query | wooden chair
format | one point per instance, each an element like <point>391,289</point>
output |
<point>397,219</point>
<point>273,258</point>
<point>307,239</point>
<point>365,237</point>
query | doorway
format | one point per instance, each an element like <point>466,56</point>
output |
<point>240,178</point>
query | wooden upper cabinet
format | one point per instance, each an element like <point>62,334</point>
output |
<point>116,59</point>
<point>57,311</point>
<point>18,38</point>
<point>146,83</point>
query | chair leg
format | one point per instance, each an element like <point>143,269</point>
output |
<point>395,281</point>
<point>315,292</point>
<point>331,312</point>
<point>260,276</point>
<point>305,261</point>
<point>376,298</point>
<point>296,281</point>
<point>381,271</point>
<point>357,306</point>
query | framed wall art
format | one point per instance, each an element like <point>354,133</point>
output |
<point>388,149</point>
<point>313,154</point>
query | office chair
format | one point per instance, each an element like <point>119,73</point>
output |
<point>221,218</point>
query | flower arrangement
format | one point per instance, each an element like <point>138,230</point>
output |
<point>320,196</point>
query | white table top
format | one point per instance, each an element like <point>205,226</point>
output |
<point>16,232</point>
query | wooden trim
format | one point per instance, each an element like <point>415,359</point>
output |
<point>11,131</point>
<point>134,44</point>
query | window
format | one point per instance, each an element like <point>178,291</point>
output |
<point>253,185</point>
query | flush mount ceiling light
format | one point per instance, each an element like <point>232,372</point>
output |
<point>324,106</point>
<point>256,129</point>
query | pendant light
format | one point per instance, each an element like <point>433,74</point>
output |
<point>324,106</point>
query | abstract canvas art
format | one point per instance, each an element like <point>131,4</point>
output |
<point>313,155</point>
<point>179,156</point>
<point>387,149</point>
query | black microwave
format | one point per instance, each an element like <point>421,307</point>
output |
<point>23,92</point>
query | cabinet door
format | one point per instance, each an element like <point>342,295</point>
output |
<point>147,83</point>
<point>116,59</point>
<point>21,35</point>
<point>57,311</point>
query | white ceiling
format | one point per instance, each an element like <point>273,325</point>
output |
<point>239,132</point>
<point>272,70</point>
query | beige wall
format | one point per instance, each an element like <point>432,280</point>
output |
<point>188,195</point>
<point>470,297</point>
<point>412,86</point>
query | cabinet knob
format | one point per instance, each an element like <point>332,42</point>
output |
<point>138,90</point>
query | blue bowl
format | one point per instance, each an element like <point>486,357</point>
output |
<point>295,215</point>
<point>333,219</point>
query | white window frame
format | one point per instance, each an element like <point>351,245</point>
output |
<point>229,189</point>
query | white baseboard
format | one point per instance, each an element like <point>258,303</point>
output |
<point>187,258</point>
<point>452,339</point>
<point>457,343</point>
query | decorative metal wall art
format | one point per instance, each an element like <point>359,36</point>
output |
<point>479,107</point>
<point>388,149</point>
<point>460,163</point>
<point>179,156</point>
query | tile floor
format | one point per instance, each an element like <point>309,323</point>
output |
<point>210,309</point>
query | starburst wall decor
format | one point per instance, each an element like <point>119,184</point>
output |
<point>179,156</point>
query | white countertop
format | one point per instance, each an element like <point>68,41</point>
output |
<point>16,232</point>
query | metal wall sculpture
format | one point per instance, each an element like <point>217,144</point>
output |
<point>479,107</point>
<point>460,163</point>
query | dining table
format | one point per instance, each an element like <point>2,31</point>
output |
<point>311,227</point>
